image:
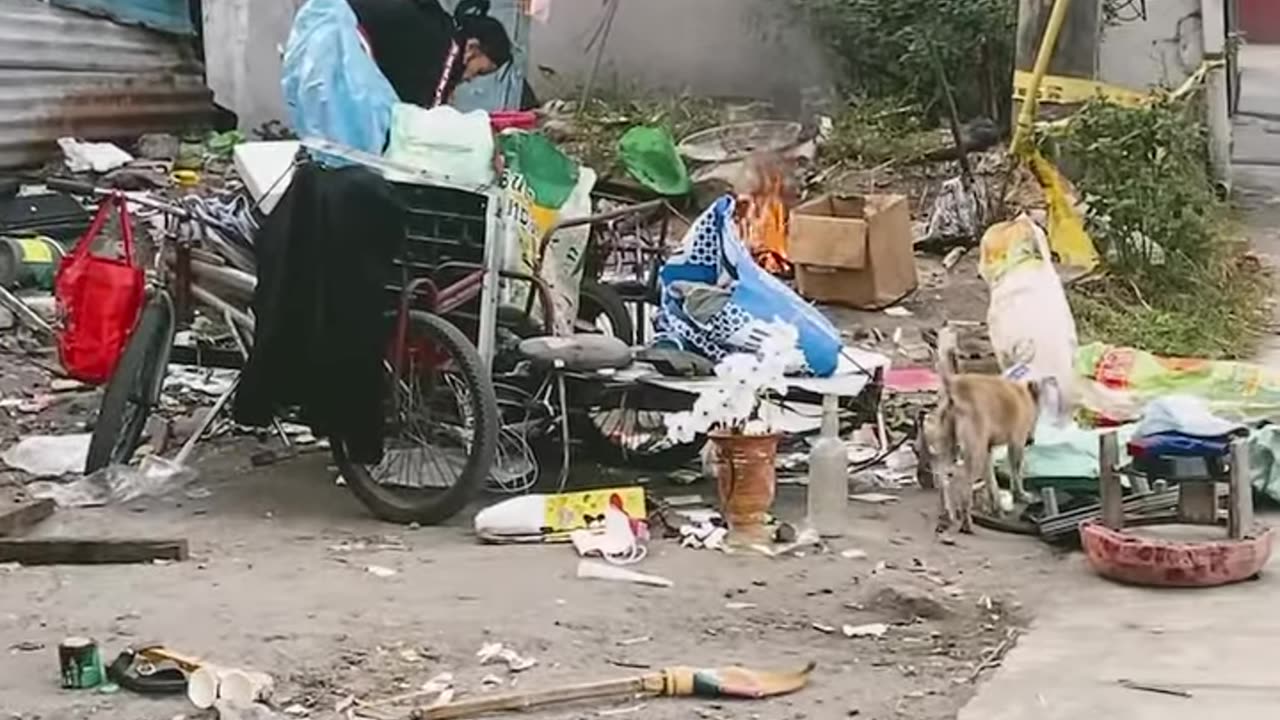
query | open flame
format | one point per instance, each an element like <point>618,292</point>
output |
<point>763,218</point>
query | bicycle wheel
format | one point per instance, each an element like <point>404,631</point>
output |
<point>442,429</point>
<point>619,432</point>
<point>601,310</point>
<point>134,388</point>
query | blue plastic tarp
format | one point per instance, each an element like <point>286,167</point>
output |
<point>171,16</point>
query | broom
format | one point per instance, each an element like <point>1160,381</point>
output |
<point>731,682</point>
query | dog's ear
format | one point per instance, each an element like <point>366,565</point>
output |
<point>1034,390</point>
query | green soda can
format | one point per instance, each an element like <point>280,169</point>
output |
<point>80,663</point>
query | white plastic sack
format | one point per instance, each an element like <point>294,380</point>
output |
<point>100,157</point>
<point>1029,320</point>
<point>444,142</point>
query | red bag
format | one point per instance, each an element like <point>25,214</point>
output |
<point>98,299</point>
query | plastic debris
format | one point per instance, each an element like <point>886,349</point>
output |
<point>706,533</point>
<point>115,484</point>
<point>616,542</point>
<point>100,157</point>
<point>873,498</point>
<point>497,652</point>
<point>49,455</point>
<point>591,570</point>
<point>871,630</point>
<point>380,571</point>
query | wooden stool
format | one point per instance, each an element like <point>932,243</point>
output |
<point>1197,499</point>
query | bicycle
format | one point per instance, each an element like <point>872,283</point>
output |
<point>441,434</point>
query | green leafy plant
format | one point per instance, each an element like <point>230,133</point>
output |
<point>1176,280</point>
<point>883,48</point>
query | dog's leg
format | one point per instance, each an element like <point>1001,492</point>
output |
<point>1016,454</point>
<point>966,511</point>
<point>947,510</point>
<point>993,487</point>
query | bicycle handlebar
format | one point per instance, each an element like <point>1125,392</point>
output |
<point>78,187</point>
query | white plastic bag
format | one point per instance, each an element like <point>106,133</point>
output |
<point>1029,320</point>
<point>444,142</point>
<point>100,157</point>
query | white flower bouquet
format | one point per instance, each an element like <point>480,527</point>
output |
<point>738,402</point>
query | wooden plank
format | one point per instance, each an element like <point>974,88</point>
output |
<point>1198,503</point>
<point>76,551</point>
<point>1109,482</point>
<point>1240,499</point>
<point>22,517</point>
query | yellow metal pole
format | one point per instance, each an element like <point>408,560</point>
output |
<point>1027,117</point>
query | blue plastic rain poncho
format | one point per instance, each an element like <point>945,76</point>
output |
<point>332,86</point>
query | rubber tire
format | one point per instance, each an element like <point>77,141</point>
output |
<point>145,360</point>
<point>595,300</point>
<point>386,505</point>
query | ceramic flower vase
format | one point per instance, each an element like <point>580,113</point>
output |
<point>746,482</point>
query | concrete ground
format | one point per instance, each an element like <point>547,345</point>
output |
<point>279,581</point>
<point>1222,645</point>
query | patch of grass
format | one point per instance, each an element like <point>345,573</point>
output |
<point>1177,281</point>
<point>601,124</point>
<point>872,132</point>
<point>884,49</point>
<point>1222,322</point>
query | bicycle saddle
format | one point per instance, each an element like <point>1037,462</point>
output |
<point>578,352</point>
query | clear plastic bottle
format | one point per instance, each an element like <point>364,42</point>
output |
<point>829,475</point>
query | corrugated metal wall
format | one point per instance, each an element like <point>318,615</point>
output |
<point>66,73</point>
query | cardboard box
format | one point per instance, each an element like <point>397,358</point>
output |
<point>853,250</point>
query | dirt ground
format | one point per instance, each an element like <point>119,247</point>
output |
<point>278,581</point>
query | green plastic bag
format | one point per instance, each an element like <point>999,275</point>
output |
<point>550,174</point>
<point>650,155</point>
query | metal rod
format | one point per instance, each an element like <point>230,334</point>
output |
<point>242,318</point>
<point>205,422</point>
<point>242,283</point>
<point>1027,114</point>
<point>26,314</point>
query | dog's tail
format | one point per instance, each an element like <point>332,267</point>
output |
<point>947,368</point>
<point>946,364</point>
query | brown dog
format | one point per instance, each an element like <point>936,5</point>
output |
<point>976,414</point>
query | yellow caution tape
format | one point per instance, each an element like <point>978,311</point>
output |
<point>1062,90</point>
<point>1129,99</point>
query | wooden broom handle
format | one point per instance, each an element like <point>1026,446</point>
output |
<point>533,699</point>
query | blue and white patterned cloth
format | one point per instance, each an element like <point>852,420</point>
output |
<point>713,254</point>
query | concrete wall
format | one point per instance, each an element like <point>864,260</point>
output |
<point>730,48</point>
<point>243,42</point>
<point>1163,50</point>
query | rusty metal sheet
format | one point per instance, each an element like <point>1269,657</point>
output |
<point>67,73</point>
